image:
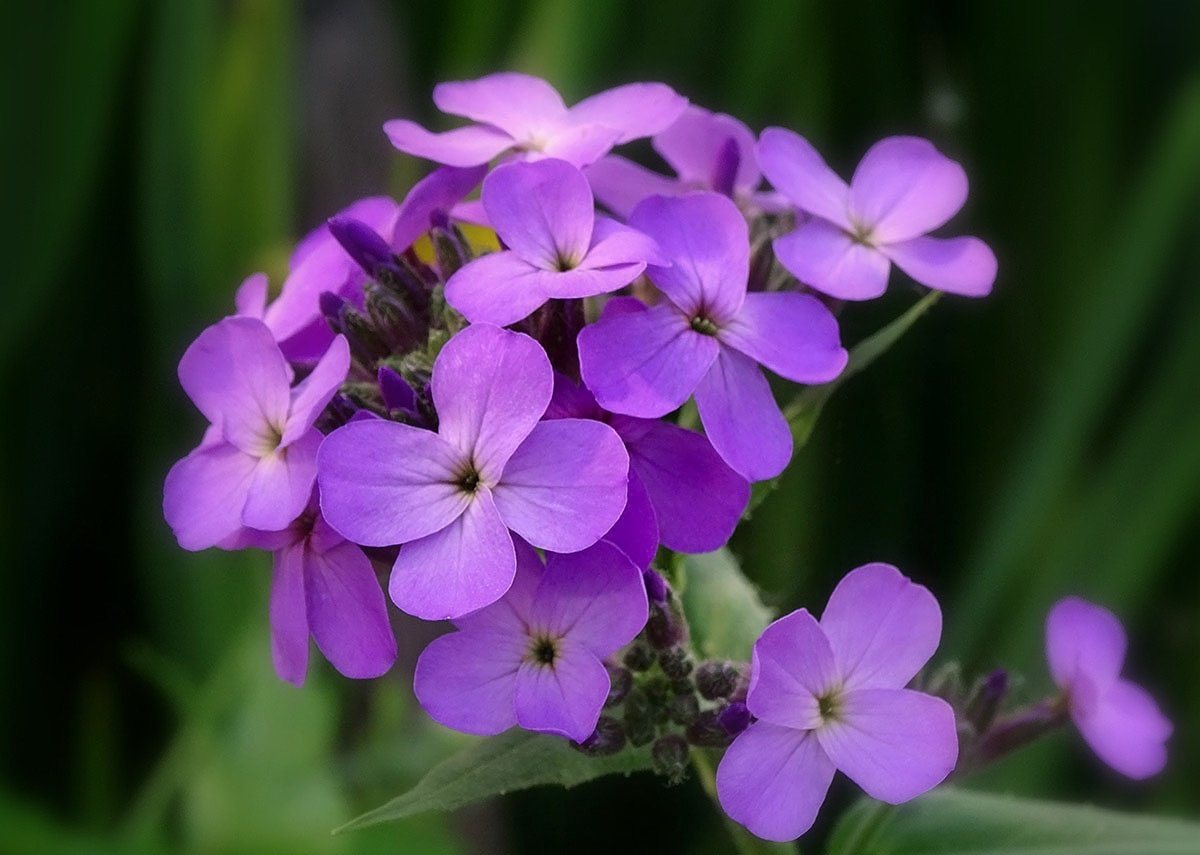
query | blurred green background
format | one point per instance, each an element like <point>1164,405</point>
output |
<point>1040,442</point>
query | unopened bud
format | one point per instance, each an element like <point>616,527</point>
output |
<point>638,657</point>
<point>369,251</point>
<point>449,248</point>
<point>716,680</point>
<point>366,345</point>
<point>666,626</point>
<point>707,732</point>
<point>725,170</point>
<point>393,320</point>
<point>946,683</point>
<point>734,718</point>
<point>656,586</point>
<point>986,699</point>
<point>675,663</point>
<point>670,758</point>
<point>620,681</point>
<point>684,709</point>
<point>607,738</point>
<point>640,724</point>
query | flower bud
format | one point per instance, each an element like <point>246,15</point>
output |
<point>607,738</point>
<point>640,726</point>
<point>666,626</point>
<point>725,170</point>
<point>620,682</point>
<point>684,709</point>
<point>449,246</point>
<point>986,699</point>
<point>638,657</point>
<point>706,731</point>
<point>734,718</point>
<point>656,586</point>
<point>393,320</point>
<point>670,756</point>
<point>363,244</point>
<point>715,680</point>
<point>675,663</point>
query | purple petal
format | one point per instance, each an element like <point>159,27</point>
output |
<point>620,184</point>
<point>514,102</point>
<point>397,394</point>
<point>741,418</point>
<point>384,483</point>
<point>644,361</point>
<point>348,613</point>
<point>698,500</point>
<point>961,265</point>
<point>579,145</point>
<point>615,244</point>
<point>572,401</point>
<point>693,143</point>
<point>1127,730</point>
<point>595,599</point>
<point>636,531</point>
<point>311,394</point>
<point>904,187</point>
<point>566,485</point>
<point>792,667</point>
<point>289,615</point>
<point>706,239</point>
<point>773,780</point>
<point>467,680</point>
<point>251,297</point>
<point>490,386</point>
<point>465,566</point>
<point>1083,639</point>
<point>792,334</point>
<point>635,109</point>
<point>894,743</point>
<point>824,257</point>
<point>510,614</point>
<point>542,211</point>
<point>797,170</point>
<point>439,191</point>
<point>470,146</point>
<point>564,698</point>
<point>499,288</point>
<point>883,627</point>
<point>236,376</point>
<point>204,495</point>
<point>282,484</point>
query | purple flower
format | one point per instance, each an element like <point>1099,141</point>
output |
<point>831,696</point>
<point>1085,647</point>
<point>708,151</point>
<point>557,248</point>
<point>709,336</point>
<point>256,465</point>
<point>452,497</point>
<point>902,189</point>
<point>681,493</point>
<point>536,657</point>
<point>325,587</point>
<point>523,114</point>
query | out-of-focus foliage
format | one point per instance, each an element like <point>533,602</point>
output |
<point>1006,452</point>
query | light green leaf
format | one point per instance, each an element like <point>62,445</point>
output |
<point>723,607</point>
<point>516,760</point>
<point>968,823</point>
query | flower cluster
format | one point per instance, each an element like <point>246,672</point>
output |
<point>487,390</point>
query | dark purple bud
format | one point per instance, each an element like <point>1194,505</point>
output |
<point>365,344</point>
<point>735,717</point>
<point>666,626</point>
<point>331,306</point>
<point>715,680</point>
<point>656,586</point>
<point>394,320</point>
<point>725,170</point>
<point>449,248</point>
<point>669,756</point>
<point>707,732</point>
<point>397,394</point>
<point>439,219</point>
<point>638,657</point>
<point>675,663</point>
<point>620,681</point>
<point>607,738</point>
<point>684,709</point>
<point>640,719</point>
<point>986,700</point>
<point>363,244</point>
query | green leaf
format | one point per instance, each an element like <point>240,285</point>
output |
<point>723,607</point>
<point>969,823</point>
<point>516,760</point>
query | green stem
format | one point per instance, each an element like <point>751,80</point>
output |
<point>743,841</point>
<point>876,815</point>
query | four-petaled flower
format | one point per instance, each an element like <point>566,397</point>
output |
<point>452,497</point>
<point>831,696</point>
<point>536,657</point>
<point>256,465</point>
<point>708,337</point>
<point>1085,647</point>
<point>556,246</point>
<point>902,189</point>
<point>526,115</point>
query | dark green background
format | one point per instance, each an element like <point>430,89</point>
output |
<point>1011,450</point>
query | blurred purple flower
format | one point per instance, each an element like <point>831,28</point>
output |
<point>1085,647</point>
<point>257,463</point>
<point>536,657</point>
<point>709,336</point>
<point>902,189</point>
<point>831,696</point>
<point>452,497</point>
<point>523,114</point>
<point>556,247</point>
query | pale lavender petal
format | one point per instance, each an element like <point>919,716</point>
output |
<point>586,281</point>
<point>204,495</point>
<point>543,211</point>
<point>566,485</point>
<point>643,361</point>
<point>707,242</point>
<point>904,187</point>
<point>636,531</point>
<point>311,394</point>
<point>620,184</point>
<point>469,146</point>
<point>883,627</point>
<point>894,743</point>
<point>1127,730</point>
<point>698,500</point>
<point>572,401</point>
<point>1084,639</point>
<point>510,614</point>
<point>471,211</point>
<point>797,170</point>
<point>595,599</point>
<point>693,143</point>
<point>384,483</point>
<point>635,109</point>
<point>347,612</point>
<point>439,191</point>
<point>773,780</point>
<point>465,566</point>
<point>741,418</point>
<point>615,244</point>
<point>565,698</point>
<point>824,257</point>
<point>289,615</point>
<point>578,145</point>
<point>467,680</point>
<point>490,386</point>
<point>961,265</point>
<point>251,297</point>
<point>236,376</point>
<point>282,484</point>
<point>499,288</point>
<point>791,669</point>
<point>517,103</point>
<point>792,334</point>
